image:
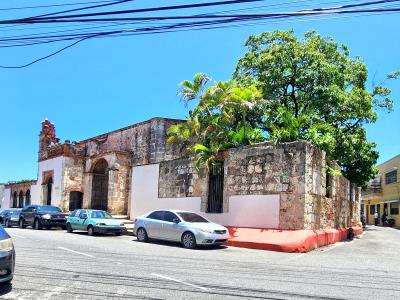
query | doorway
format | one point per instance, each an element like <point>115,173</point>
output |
<point>49,190</point>
<point>75,200</point>
<point>100,185</point>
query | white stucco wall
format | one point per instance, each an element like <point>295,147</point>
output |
<point>55,165</point>
<point>260,211</point>
<point>5,201</point>
<point>36,192</point>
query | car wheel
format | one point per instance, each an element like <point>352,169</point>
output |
<point>7,224</point>
<point>63,227</point>
<point>69,228</point>
<point>141,235</point>
<point>188,240</point>
<point>37,224</point>
<point>118,233</point>
<point>21,223</point>
<point>90,231</point>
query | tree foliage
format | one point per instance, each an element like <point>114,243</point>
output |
<point>315,91</point>
<point>285,89</point>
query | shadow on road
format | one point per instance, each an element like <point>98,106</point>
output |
<point>178,245</point>
<point>5,289</point>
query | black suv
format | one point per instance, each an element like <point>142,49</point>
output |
<point>39,216</point>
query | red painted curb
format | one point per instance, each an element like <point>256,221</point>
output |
<point>287,240</point>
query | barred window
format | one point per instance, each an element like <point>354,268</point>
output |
<point>391,177</point>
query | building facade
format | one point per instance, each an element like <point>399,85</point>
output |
<point>134,170</point>
<point>383,192</point>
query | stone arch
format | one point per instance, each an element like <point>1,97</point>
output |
<point>100,185</point>
<point>21,199</point>
<point>28,197</point>
<point>15,200</point>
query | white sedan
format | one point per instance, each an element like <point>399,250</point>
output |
<point>179,226</point>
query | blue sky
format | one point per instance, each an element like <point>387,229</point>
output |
<point>102,85</point>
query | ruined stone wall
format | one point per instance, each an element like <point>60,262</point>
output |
<point>326,206</point>
<point>179,178</point>
<point>145,141</point>
<point>119,166</point>
<point>72,179</point>
<point>270,169</point>
<point>134,139</point>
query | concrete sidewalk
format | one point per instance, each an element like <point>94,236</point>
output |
<point>287,240</point>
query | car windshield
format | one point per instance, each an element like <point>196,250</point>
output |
<point>15,213</point>
<point>191,217</point>
<point>98,214</point>
<point>48,209</point>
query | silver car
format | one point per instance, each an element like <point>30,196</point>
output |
<point>179,226</point>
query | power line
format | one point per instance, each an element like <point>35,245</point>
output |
<point>53,5</point>
<point>141,10</point>
<point>83,8</point>
<point>203,22</point>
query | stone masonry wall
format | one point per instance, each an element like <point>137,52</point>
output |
<point>270,169</point>
<point>72,178</point>
<point>326,206</point>
<point>178,178</point>
<point>296,171</point>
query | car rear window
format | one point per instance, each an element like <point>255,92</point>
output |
<point>50,209</point>
<point>192,217</point>
<point>99,214</point>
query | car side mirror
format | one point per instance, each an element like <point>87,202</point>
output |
<point>176,221</point>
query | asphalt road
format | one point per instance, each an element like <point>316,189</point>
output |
<point>58,265</point>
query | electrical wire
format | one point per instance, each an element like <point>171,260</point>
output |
<point>206,21</point>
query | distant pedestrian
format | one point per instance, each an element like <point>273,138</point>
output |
<point>376,215</point>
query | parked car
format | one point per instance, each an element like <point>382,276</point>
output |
<point>4,212</point>
<point>94,221</point>
<point>11,218</point>
<point>39,216</point>
<point>186,227</point>
<point>7,257</point>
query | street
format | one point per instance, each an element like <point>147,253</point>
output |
<point>53,264</point>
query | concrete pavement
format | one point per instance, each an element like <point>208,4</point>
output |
<point>57,265</point>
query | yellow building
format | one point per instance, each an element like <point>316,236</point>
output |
<point>383,193</point>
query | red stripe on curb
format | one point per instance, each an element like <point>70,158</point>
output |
<point>287,240</point>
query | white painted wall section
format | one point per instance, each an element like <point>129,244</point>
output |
<point>5,201</point>
<point>259,211</point>
<point>55,165</point>
<point>36,193</point>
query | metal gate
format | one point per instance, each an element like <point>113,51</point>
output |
<point>75,200</point>
<point>216,189</point>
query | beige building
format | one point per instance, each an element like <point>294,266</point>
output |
<point>383,193</point>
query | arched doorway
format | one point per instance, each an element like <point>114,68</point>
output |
<point>28,197</point>
<point>100,185</point>
<point>75,200</point>
<point>15,200</point>
<point>49,190</point>
<point>21,199</point>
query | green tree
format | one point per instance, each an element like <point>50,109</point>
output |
<point>219,120</point>
<point>315,91</point>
